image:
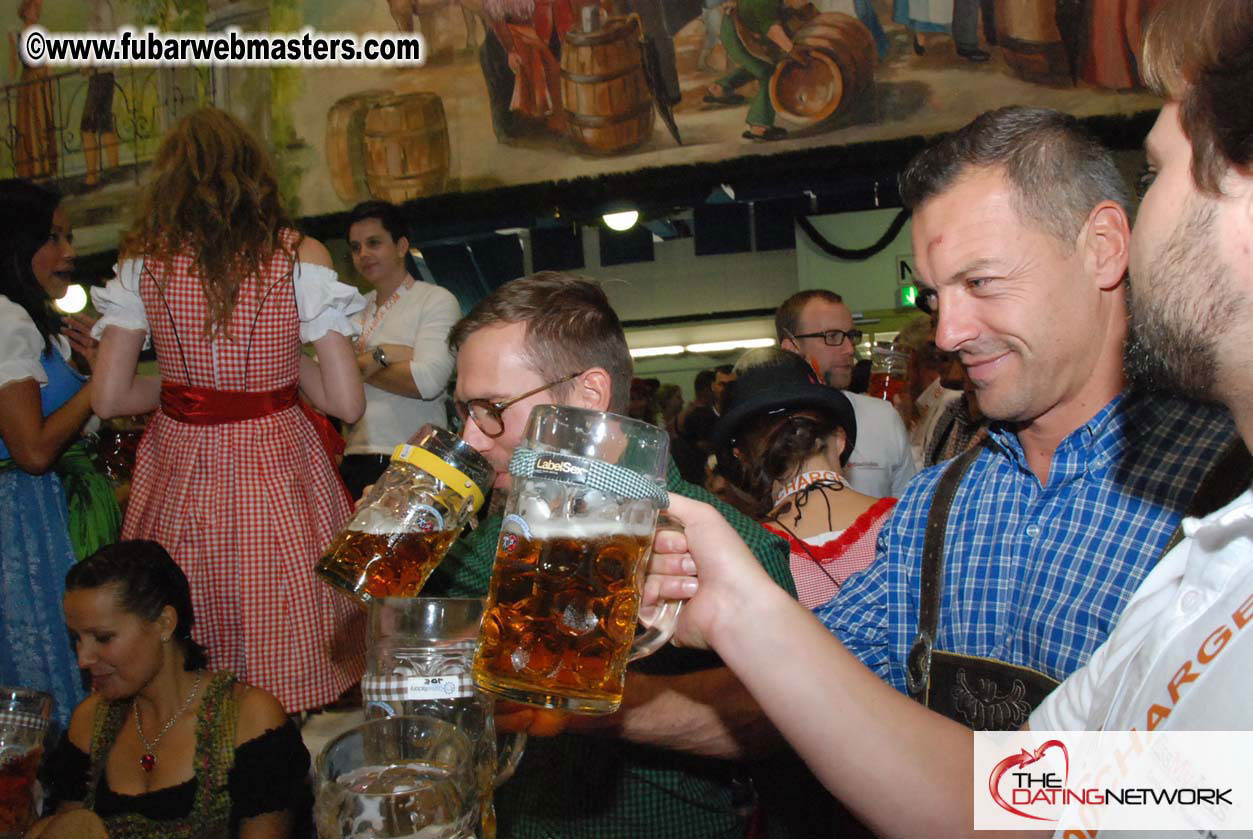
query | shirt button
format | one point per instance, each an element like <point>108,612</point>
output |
<point>1190,601</point>
<point>1033,530</point>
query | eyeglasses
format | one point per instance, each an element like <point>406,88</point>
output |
<point>488,415</point>
<point>835,337</point>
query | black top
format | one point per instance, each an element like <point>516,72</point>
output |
<point>270,773</point>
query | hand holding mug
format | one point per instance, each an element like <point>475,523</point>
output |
<point>708,565</point>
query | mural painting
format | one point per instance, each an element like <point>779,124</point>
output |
<point>523,91</point>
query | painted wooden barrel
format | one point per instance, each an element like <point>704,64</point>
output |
<point>603,88</point>
<point>405,145</point>
<point>840,69</point>
<point>1027,32</point>
<point>345,146</point>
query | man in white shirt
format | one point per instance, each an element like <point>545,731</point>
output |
<point>1181,655</point>
<point>817,325</point>
<point>402,351</point>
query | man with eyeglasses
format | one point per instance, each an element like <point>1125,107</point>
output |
<point>660,767</point>
<point>817,325</point>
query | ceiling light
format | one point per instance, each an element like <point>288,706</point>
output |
<point>723,346</point>
<point>75,300</point>
<point>621,220</point>
<point>649,352</point>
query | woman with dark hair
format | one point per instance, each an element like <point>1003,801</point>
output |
<point>54,506</point>
<point>784,438</point>
<point>231,476</point>
<point>163,746</point>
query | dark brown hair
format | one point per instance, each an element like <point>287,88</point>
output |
<point>773,449</point>
<point>787,318</point>
<point>25,223</point>
<point>1199,53</point>
<point>570,327</point>
<point>148,580</point>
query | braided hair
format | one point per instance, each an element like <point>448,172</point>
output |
<point>774,448</point>
<point>148,580</point>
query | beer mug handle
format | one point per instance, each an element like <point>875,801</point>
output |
<point>509,748</point>
<point>660,622</point>
<point>658,629</point>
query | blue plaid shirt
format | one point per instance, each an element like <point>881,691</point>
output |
<point>1036,575</point>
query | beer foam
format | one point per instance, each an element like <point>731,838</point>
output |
<point>584,529</point>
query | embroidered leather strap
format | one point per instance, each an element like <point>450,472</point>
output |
<point>918,665</point>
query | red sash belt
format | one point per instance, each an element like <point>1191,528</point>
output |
<point>207,406</point>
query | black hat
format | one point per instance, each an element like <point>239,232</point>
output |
<point>769,379</point>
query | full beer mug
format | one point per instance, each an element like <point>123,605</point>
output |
<point>410,517</point>
<point>24,718</point>
<point>562,610</point>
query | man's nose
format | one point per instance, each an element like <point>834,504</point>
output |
<point>956,326</point>
<point>472,434</point>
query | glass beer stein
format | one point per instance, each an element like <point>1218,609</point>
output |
<point>396,777</point>
<point>564,600</point>
<point>419,656</point>
<point>410,517</point>
<point>24,718</point>
<point>889,371</point>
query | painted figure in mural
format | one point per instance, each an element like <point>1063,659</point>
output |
<point>232,477</point>
<point>656,23</point>
<point>530,33</point>
<point>960,18</point>
<point>427,12</point>
<point>755,37</point>
<point>1115,34</point>
<point>96,125</point>
<point>35,154</point>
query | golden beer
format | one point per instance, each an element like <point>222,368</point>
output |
<point>560,617</point>
<point>384,564</point>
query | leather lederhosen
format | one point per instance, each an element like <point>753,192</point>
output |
<point>989,695</point>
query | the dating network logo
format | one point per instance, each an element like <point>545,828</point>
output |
<point>1027,788</point>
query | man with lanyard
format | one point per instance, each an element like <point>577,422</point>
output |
<point>402,352</point>
<point>648,770</point>
<point>1021,236</point>
<point>817,325</point>
<point>1181,655</point>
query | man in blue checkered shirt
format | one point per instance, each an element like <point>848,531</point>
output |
<point>1020,234</point>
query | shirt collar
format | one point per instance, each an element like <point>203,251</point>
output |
<point>1090,446</point>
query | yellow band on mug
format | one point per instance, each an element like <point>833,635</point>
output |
<point>437,467</point>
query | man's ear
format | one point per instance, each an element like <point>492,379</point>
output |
<point>403,243</point>
<point>593,390</point>
<point>1106,241</point>
<point>788,345</point>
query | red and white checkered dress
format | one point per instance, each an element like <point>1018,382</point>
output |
<point>246,508</point>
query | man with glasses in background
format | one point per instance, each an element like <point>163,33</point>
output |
<point>817,325</point>
<point>665,765</point>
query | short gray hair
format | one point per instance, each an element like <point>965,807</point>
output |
<point>1058,171</point>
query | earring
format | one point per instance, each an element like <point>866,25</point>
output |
<point>165,639</point>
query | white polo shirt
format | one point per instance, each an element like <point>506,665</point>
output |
<point>420,318</point>
<point>882,461</point>
<point>1181,656</point>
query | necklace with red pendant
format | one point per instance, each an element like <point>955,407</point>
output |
<point>148,760</point>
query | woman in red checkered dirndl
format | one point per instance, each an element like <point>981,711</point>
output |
<point>231,476</point>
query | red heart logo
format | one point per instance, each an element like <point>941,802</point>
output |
<point>1024,758</point>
